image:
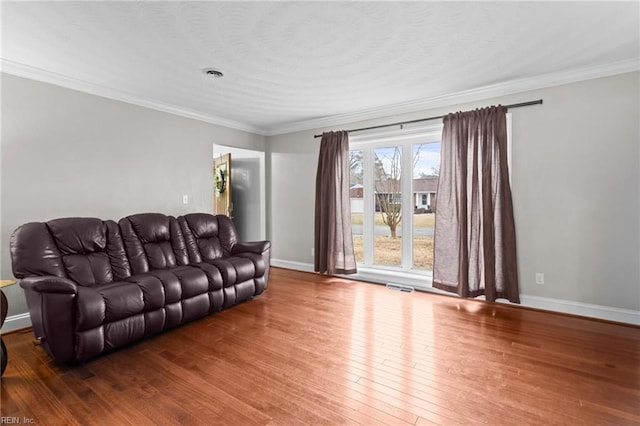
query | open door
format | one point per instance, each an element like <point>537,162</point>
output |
<point>222,203</point>
<point>248,188</point>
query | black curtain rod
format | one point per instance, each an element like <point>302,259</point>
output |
<point>522,104</point>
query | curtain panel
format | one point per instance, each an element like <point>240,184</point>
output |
<point>333,237</point>
<point>474,239</point>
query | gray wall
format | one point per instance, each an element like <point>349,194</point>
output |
<point>575,181</point>
<point>67,153</point>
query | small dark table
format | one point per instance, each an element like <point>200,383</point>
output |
<point>4,305</point>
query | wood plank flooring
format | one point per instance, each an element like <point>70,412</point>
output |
<point>321,350</point>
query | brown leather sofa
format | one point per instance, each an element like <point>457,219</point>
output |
<point>94,285</point>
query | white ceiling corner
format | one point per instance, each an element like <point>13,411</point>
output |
<point>293,66</point>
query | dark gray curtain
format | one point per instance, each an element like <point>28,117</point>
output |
<point>475,241</point>
<point>333,237</point>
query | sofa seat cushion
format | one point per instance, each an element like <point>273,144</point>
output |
<point>181,282</point>
<point>109,302</point>
<point>153,291</point>
<point>234,269</point>
<point>258,262</point>
<point>213,275</point>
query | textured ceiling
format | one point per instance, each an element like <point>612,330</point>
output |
<point>289,63</point>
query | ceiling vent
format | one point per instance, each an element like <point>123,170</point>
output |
<point>213,72</point>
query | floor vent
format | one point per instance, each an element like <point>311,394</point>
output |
<point>398,287</point>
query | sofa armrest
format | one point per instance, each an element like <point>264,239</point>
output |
<point>49,284</point>
<point>52,306</point>
<point>257,247</point>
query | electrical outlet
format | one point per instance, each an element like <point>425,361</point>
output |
<point>539,278</point>
<point>313,252</point>
<point>185,199</point>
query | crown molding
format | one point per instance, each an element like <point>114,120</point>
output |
<point>495,90</point>
<point>33,73</point>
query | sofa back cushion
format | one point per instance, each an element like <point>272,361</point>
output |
<point>207,236</point>
<point>88,251</point>
<point>88,246</point>
<point>153,241</point>
<point>34,252</point>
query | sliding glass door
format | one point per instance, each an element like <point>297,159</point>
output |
<point>393,192</point>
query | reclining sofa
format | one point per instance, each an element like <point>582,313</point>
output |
<point>94,285</point>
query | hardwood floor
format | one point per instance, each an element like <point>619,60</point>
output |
<point>322,350</point>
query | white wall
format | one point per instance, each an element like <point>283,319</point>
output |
<point>576,189</point>
<point>67,153</point>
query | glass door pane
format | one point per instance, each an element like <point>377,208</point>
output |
<point>356,194</point>
<point>388,206</point>
<point>426,169</point>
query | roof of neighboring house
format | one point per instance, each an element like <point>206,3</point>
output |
<point>428,184</point>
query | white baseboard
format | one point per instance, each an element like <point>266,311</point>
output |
<point>16,322</point>
<point>288,264</point>
<point>546,303</point>
<point>583,309</point>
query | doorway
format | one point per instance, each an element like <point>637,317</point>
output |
<point>246,182</point>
